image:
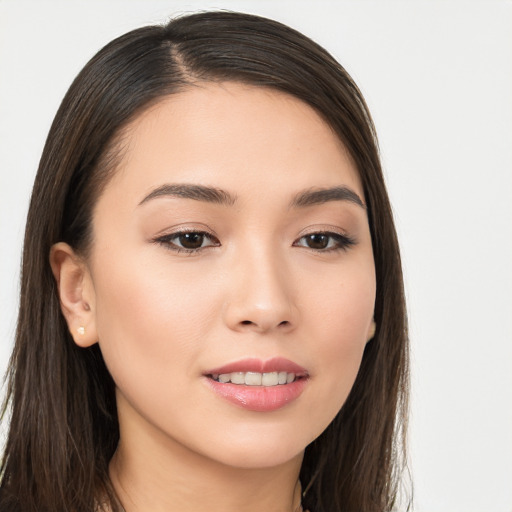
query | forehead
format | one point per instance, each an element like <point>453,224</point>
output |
<point>233,136</point>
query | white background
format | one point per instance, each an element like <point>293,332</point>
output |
<point>438,79</point>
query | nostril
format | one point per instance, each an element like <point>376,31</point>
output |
<point>264,326</point>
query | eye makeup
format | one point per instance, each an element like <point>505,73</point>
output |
<point>190,241</point>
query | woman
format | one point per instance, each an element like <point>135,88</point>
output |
<point>212,310</point>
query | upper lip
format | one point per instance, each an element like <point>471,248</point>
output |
<point>276,364</point>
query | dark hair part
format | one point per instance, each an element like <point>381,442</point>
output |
<point>64,427</point>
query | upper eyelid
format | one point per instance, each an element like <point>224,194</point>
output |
<point>325,229</point>
<point>322,232</point>
<point>183,231</point>
<point>332,232</point>
<point>204,231</point>
<point>179,232</point>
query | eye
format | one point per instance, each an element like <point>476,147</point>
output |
<point>188,241</point>
<point>324,241</point>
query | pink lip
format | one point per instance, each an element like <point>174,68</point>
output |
<point>259,398</point>
<point>276,364</point>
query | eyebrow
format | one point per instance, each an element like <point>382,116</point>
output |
<point>324,195</point>
<point>189,191</point>
<point>215,195</point>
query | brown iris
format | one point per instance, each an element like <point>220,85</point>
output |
<point>191,240</point>
<point>317,241</point>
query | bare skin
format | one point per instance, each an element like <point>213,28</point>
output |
<point>177,284</point>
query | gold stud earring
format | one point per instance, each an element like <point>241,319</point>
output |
<point>81,330</point>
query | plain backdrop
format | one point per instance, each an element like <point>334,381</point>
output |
<point>438,79</point>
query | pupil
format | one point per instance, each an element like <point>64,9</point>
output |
<point>191,240</point>
<point>317,241</point>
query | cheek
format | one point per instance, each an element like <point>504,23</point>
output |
<point>151,318</point>
<point>340,303</point>
<point>340,316</point>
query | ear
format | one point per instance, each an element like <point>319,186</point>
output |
<point>76,293</point>
<point>371,331</point>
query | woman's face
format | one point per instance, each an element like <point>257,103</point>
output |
<point>232,244</point>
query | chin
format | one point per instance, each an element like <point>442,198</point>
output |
<point>259,459</point>
<point>260,451</point>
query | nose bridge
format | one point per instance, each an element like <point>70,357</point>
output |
<point>261,295</point>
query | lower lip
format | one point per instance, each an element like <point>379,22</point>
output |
<point>259,398</point>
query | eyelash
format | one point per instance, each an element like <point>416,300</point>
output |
<point>342,242</point>
<point>167,241</point>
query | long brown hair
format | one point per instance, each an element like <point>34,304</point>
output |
<point>64,427</point>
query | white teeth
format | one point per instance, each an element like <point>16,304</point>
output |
<point>255,378</point>
<point>269,379</point>
<point>237,377</point>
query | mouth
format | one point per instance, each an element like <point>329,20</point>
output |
<point>256,378</point>
<point>256,385</point>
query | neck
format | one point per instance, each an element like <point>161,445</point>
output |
<point>154,476</point>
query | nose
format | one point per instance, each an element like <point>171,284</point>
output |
<point>262,296</point>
